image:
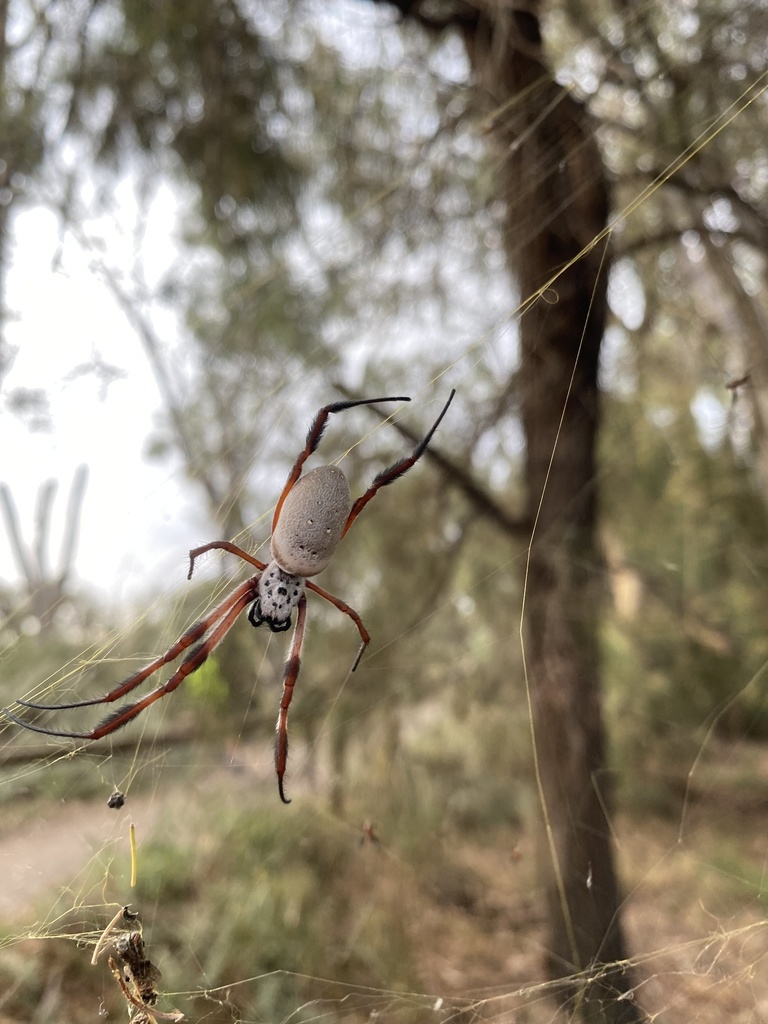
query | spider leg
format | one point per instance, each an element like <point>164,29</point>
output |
<point>292,666</point>
<point>314,435</point>
<point>395,471</point>
<point>365,637</point>
<point>190,636</point>
<point>121,716</point>
<point>222,545</point>
<point>210,631</point>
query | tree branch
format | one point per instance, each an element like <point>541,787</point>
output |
<point>72,523</point>
<point>12,528</point>
<point>43,506</point>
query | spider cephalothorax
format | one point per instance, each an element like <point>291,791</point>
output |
<point>279,593</point>
<point>313,513</point>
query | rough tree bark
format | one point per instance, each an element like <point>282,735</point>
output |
<point>557,203</point>
<point>551,177</point>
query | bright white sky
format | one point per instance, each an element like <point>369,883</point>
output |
<point>139,519</point>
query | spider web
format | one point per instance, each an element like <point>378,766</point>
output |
<point>439,894</point>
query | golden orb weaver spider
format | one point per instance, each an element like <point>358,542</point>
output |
<point>314,511</point>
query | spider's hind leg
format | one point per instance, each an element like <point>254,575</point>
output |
<point>191,663</point>
<point>204,635</point>
<point>292,667</point>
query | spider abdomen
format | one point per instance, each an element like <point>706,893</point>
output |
<point>312,521</point>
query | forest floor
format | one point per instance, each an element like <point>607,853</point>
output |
<point>695,880</point>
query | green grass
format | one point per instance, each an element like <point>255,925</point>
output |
<point>258,912</point>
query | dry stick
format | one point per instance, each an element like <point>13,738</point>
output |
<point>106,935</point>
<point>25,755</point>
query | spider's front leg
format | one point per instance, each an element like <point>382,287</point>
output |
<point>292,666</point>
<point>222,545</point>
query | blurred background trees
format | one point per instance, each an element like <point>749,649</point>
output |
<point>344,214</point>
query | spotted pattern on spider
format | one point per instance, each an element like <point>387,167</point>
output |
<point>278,594</point>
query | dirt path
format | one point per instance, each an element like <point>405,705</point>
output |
<point>50,855</point>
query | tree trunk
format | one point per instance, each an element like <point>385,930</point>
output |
<point>552,180</point>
